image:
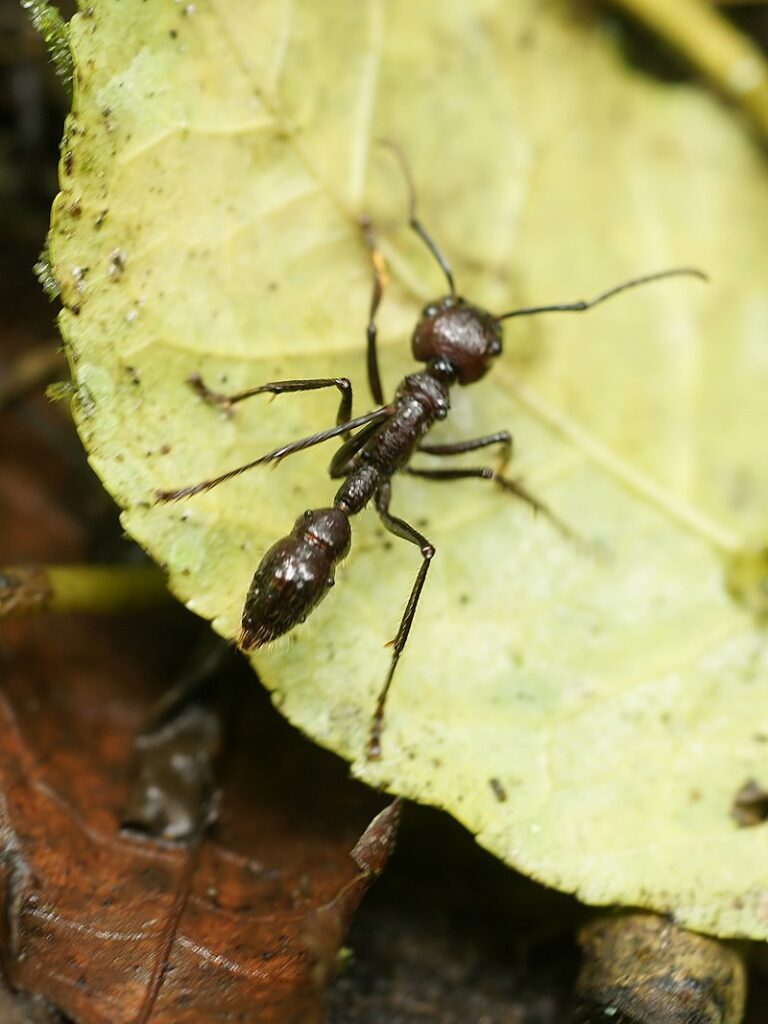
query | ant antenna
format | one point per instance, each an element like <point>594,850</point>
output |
<point>413,220</point>
<point>579,307</point>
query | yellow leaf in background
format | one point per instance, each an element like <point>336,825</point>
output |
<point>589,709</point>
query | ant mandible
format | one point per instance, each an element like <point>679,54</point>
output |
<point>457,341</point>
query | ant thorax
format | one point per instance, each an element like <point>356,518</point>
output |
<point>427,392</point>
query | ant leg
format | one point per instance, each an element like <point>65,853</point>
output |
<point>346,458</point>
<point>501,437</point>
<point>406,532</point>
<point>512,486</point>
<point>380,282</point>
<point>279,387</point>
<point>278,454</point>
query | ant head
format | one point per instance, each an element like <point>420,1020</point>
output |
<point>466,336</point>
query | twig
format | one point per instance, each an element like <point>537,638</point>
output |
<point>100,589</point>
<point>728,58</point>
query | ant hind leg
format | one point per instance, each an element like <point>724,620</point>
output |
<point>277,454</point>
<point>405,531</point>
<point>505,483</point>
<point>503,438</point>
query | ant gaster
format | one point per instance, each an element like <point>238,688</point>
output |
<point>458,342</point>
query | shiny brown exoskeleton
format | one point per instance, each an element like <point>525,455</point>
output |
<point>457,342</point>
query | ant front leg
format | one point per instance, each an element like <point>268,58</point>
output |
<point>380,282</point>
<point>406,532</point>
<point>279,387</point>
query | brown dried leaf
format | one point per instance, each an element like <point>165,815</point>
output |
<point>113,927</point>
<point>110,926</point>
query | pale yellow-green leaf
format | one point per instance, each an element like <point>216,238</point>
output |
<point>217,159</point>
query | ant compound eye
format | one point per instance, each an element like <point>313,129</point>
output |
<point>430,310</point>
<point>308,514</point>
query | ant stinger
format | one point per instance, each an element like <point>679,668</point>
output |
<point>458,342</point>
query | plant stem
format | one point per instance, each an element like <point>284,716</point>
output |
<point>97,589</point>
<point>728,58</point>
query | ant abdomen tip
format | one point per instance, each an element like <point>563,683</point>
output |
<point>251,639</point>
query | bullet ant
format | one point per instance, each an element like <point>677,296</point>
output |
<point>458,342</point>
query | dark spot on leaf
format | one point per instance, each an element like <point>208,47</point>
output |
<point>750,805</point>
<point>498,790</point>
<point>116,264</point>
